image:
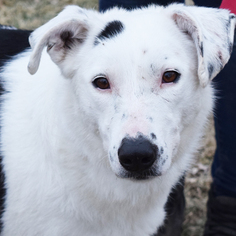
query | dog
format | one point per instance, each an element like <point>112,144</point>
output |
<point>107,118</point>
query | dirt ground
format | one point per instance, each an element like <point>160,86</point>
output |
<point>29,14</point>
<point>197,184</point>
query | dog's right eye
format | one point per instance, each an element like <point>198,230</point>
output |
<point>101,83</point>
<point>170,76</point>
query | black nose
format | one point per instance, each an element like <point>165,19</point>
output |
<point>137,154</point>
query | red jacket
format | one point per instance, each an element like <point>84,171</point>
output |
<point>229,4</point>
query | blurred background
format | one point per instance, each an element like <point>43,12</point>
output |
<point>29,14</point>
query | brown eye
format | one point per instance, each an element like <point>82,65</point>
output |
<point>170,76</point>
<point>101,82</point>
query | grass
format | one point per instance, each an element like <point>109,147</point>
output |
<point>29,14</point>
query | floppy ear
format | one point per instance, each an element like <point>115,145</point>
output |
<point>59,35</point>
<point>212,31</point>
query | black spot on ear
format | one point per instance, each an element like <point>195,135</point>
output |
<point>220,56</point>
<point>111,30</point>
<point>228,24</point>
<point>221,59</point>
<point>201,48</point>
<point>68,39</point>
<point>210,70</point>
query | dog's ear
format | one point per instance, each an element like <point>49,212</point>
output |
<point>68,29</point>
<point>212,31</point>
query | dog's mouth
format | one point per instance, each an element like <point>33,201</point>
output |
<point>144,175</point>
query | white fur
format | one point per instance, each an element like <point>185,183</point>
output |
<point>60,134</point>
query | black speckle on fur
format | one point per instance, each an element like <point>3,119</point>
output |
<point>111,157</point>
<point>111,30</point>
<point>230,47</point>
<point>210,70</point>
<point>116,108</point>
<point>163,162</point>
<point>153,68</point>
<point>150,118</point>
<point>153,136</point>
<point>161,150</point>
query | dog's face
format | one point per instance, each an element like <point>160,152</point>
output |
<point>140,78</point>
<point>138,92</point>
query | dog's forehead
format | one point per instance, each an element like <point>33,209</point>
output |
<point>127,46</point>
<point>138,29</point>
<point>144,38</point>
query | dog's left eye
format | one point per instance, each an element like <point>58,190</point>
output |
<point>101,82</point>
<point>170,76</point>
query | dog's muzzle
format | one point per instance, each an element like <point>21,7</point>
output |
<point>137,156</point>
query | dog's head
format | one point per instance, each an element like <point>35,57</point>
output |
<point>141,78</point>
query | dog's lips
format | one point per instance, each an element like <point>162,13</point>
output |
<point>144,175</point>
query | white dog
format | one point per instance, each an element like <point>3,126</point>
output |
<point>109,117</point>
